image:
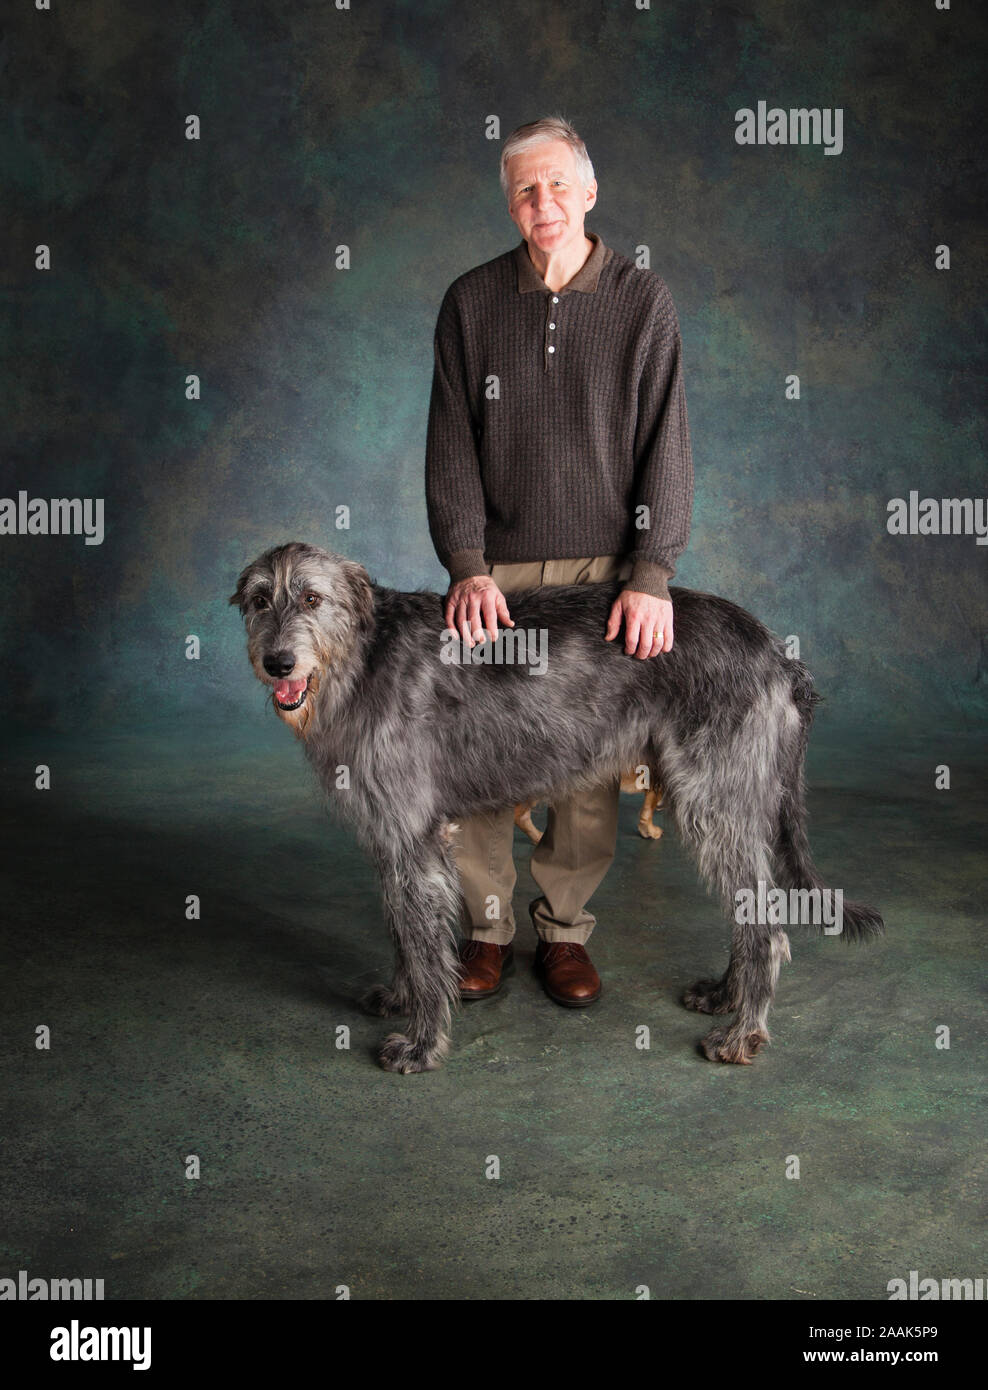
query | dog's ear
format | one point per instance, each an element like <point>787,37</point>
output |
<point>237,597</point>
<point>362,596</point>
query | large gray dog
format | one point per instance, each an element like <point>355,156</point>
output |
<point>407,731</point>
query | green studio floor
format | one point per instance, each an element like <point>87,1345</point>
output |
<point>618,1167</point>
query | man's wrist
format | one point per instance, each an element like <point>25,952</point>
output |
<point>650,577</point>
<point>466,564</point>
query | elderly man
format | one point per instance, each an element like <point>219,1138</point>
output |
<point>558,452</point>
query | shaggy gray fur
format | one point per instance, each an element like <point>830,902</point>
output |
<point>724,717</point>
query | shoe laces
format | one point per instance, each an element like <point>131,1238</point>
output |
<point>564,949</point>
<point>471,948</point>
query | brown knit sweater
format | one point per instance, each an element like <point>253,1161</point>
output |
<point>554,416</point>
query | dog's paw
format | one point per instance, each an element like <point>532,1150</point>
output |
<point>401,1054</point>
<point>383,1002</point>
<point>707,997</point>
<point>733,1045</point>
<point>648,831</point>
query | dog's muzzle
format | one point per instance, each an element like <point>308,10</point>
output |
<point>290,695</point>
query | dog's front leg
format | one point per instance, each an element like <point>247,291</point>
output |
<point>421,898</point>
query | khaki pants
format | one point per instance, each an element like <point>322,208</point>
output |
<point>578,846</point>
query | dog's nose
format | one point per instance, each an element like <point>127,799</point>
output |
<point>279,663</point>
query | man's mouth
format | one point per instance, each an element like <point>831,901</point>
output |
<point>289,695</point>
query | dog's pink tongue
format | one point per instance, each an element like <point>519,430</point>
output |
<point>289,691</point>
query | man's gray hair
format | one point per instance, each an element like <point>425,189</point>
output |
<point>537,133</point>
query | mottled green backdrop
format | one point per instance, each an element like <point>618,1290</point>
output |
<point>366,127</point>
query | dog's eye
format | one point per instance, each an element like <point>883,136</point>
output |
<point>311,600</point>
<point>259,603</point>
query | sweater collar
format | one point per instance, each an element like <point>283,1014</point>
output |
<point>584,281</point>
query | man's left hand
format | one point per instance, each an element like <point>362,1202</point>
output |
<point>647,623</point>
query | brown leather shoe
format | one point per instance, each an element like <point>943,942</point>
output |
<point>482,965</point>
<point>567,973</point>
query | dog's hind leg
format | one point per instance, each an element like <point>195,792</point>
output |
<point>421,900</point>
<point>748,988</point>
<point>711,996</point>
<point>724,792</point>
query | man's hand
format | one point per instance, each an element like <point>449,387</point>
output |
<point>473,605</point>
<point>647,623</point>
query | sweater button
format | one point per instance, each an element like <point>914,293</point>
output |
<point>555,299</point>
<point>552,325</point>
<point>552,349</point>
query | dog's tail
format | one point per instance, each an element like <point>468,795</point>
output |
<point>794,862</point>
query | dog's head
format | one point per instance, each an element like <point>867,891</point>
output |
<point>303,608</point>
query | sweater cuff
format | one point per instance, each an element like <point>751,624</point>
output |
<point>649,577</point>
<point>465,564</point>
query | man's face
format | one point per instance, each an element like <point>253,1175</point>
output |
<point>546,200</point>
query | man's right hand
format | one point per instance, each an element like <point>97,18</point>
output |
<point>476,604</point>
